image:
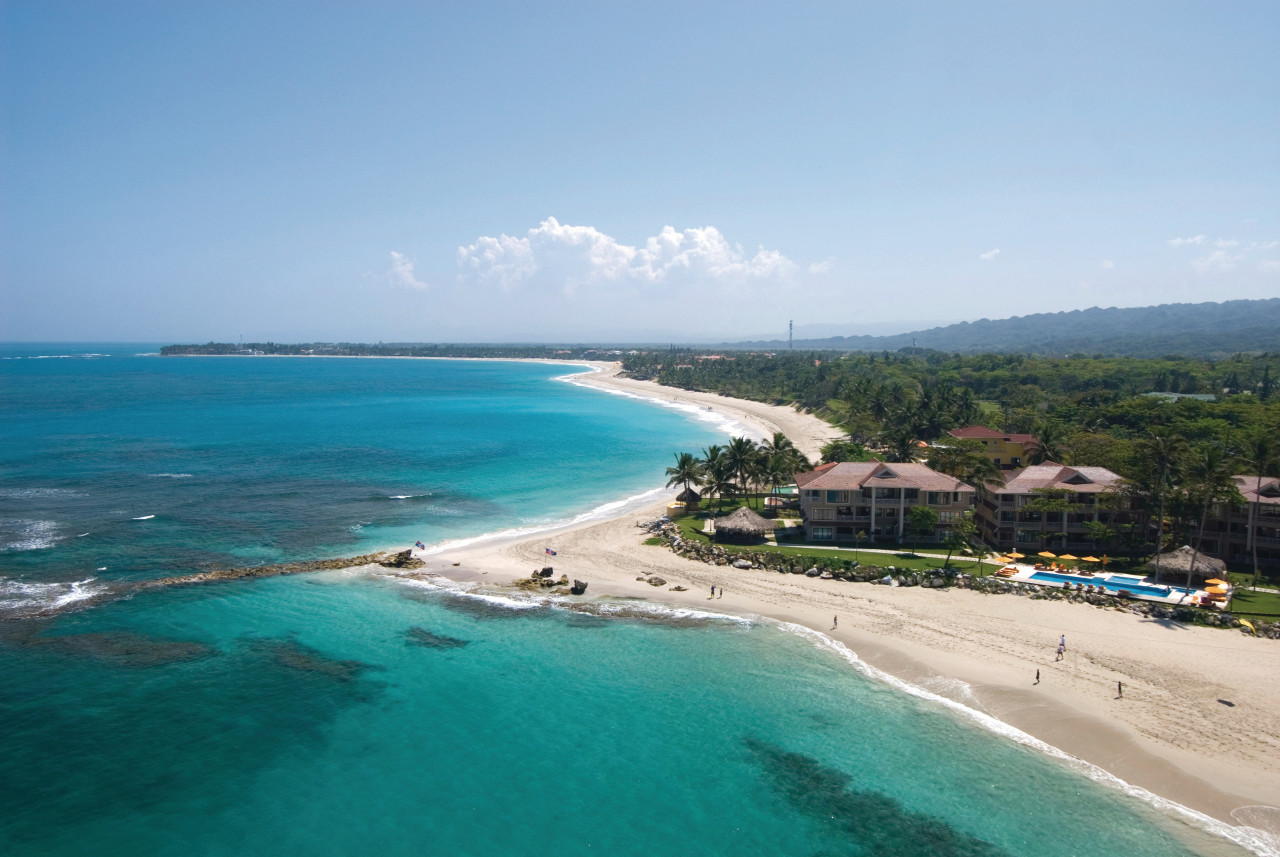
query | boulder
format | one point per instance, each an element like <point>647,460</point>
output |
<point>546,572</point>
<point>741,563</point>
<point>579,586</point>
<point>656,581</point>
<point>813,572</point>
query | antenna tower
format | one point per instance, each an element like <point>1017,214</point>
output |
<point>791,326</point>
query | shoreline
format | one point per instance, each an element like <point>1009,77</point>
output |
<point>1198,724</point>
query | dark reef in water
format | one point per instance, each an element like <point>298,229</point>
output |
<point>422,637</point>
<point>403,559</point>
<point>871,824</point>
<point>116,648</point>
<point>296,656</point>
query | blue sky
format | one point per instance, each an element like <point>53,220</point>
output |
<point>452,172</point>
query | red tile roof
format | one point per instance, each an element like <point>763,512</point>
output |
<point>1082,480</point>
<point>1247,485</point>
<point>984,433</point>
<point>852,475</point>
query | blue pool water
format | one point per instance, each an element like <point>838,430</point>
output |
<point>1108,584</point>
<point>340,714</point>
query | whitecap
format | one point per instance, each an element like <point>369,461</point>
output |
<point>30,535</point>
<point>144,518</point>
<point>170,475</point>
<point>25,598</point>
<point>36,493</point>
<point>407,496</point>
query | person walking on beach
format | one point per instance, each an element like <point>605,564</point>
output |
<point>1061,648</point>
<point>1119,690</point>
<point>721,595</point>
<point>835,620</point>
<point>1062,642</point>
<point>1037,676</point>
<point>713,590</point>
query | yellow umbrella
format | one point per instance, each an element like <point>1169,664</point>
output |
<point>1068,556</point>
<point>1213,581</point>
<point>1016,555</point>
<point>1047,555</point>
<point>1001,559</point>
<point>1216,590</point>
<point>1089,559</point>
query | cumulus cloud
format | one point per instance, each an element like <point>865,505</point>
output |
<point>401,276</point>
<point>576,256</point>
<point>989,255</point>
<point>1107,264</point>
<point>1227,255</point>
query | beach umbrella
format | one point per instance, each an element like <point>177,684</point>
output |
<point>1047,555</point>
<point>1213,581</point>
<point>1089,559</point>
<point>1216,590</point>
<point>1002,559</point>
<point>1016,555</point>
<point>1068,556</point>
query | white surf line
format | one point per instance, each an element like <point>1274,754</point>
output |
<point>1259,842</point>
<point>722,422</point>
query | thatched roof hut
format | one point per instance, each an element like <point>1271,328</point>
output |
<point>1179,561</point>
<point>743,525</point>
<point>689,497</point>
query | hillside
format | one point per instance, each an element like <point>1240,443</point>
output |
<point>1209,330</point>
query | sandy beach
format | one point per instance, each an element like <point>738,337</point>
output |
<point>1199,721</point>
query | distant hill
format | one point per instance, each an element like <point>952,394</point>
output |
<point>1207,330</point>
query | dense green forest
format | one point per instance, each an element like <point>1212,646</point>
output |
<point>1208,330</point>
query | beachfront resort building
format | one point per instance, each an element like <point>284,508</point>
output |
<point>1231,528</point>
<point>839,501</point>
<point>1052,507</point>
<point>1006,451</point>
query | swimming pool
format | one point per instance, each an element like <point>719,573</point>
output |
<point>1111,585</point>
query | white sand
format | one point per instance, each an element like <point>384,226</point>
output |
<point>1199,723</point>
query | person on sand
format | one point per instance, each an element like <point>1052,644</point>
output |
<point>1037,676</point>
<point>835,620</point>
<point>721,595</point>
<point>1119,690</point>
<point>713,592</point>
<point>1062,642</point>
<point>1061,649</point>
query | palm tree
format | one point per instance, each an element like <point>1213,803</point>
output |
<point>1048,445</point>
<point>716,476</point>
<point>900,444</point>
<point>1164,454</point>
<point>1210,478</point>
<point>740,457</point>
<point>1260,455</point>
<point>688,471</point>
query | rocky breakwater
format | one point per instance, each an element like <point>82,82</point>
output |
<point>852,571</point>
<point>541,578</point>
<point>386,559</point>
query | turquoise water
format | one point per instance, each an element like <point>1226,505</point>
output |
<point>344,714</point>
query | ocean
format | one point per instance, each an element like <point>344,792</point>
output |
<point>341,713</point>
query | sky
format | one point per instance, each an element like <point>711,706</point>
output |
<point>600,171</point>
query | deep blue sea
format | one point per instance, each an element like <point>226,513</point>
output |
<point>341,714</point>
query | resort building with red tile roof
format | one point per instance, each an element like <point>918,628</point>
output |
<point>1006,450</point>
<point>1050,506</point>
<point>839,501</point>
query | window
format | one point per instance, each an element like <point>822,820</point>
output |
<point>837,496</point>
<point>844,532</point>
<point>937,498</point>
<point>996,462</point>
<point>948,517</point>
<point>822,514</point>
<point>911,493</point>
<point>822,534</point>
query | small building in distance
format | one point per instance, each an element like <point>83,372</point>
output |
<point>840,500</point>
<point>1006,451</point>
<point>1231,528</point>
<point>1011,515</point>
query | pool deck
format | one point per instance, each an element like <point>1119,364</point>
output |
<point>1197,597</point>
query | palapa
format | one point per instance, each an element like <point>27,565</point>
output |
<point>1179,562</point>
<point>743,524</point>
<point>689,497</point>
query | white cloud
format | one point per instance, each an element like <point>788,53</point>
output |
<point>555,254</point>
<point>1107,264</point>
<point>1218,260</point>
<point>989,255</point>
<point>400,275</point>
<point>822,267</point>
<point>1178,242</point>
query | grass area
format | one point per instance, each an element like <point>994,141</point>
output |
<point>691,530</point>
